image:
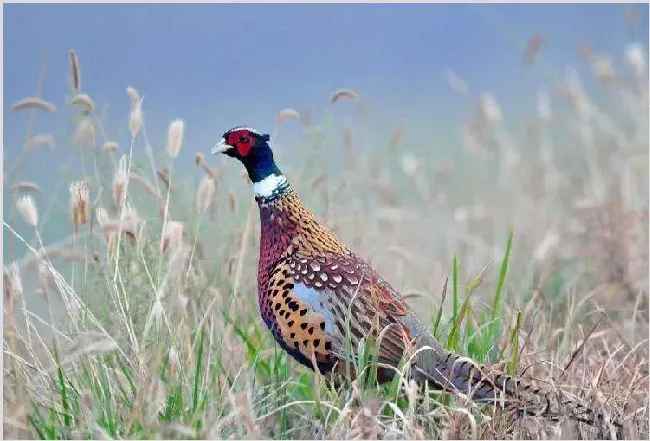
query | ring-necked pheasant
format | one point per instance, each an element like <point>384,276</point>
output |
<point>309,283</point>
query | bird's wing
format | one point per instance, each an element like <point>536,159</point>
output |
<point>323,298</point>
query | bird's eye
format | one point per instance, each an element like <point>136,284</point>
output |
<point>242,138</point>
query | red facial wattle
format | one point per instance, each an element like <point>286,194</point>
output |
<point>242,141</point>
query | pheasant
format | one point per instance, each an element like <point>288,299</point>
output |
<point>314,293</point>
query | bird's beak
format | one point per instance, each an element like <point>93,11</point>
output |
<point>221,147</point>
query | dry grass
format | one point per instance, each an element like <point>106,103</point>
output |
<point>161,335</point>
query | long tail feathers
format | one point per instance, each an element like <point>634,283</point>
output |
<point>454,373</point>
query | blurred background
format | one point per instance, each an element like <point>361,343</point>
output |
<point>431,79</point>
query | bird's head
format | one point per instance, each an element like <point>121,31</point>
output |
<point>251,148</point>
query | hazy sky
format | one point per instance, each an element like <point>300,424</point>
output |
<point>219,65</point>
<point>225,64</point>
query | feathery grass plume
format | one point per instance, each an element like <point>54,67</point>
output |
<point>110,146</point>
<point>133,94</point>
<point>75,71</point>
<point>85,132</point>
<point>533,48</point>
<point>175,137</point>
<point>172,236</point>
<point>27,208</point>
<point>490,109</point>
<point>33,103</point>
<point>287,114</point>
<point>39,140</point>
<point>25,186</point>
<point>204,194</point>
<point>603,68</point>
<point>575,93</point>
<point>135,119</point>
<point>102,219</point>
<point>12,280</point>
<point>119,181</point>
<point>13,287</point>
<point>396,137</point>
<point>344,93</point>
<point>81,99</point>
<point>635,58</point>
<point>101,215</point>
<point>79,196</point>
<point>456,83</point>
<point>199,160</point>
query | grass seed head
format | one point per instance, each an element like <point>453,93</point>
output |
<point>410,164</point>
<point>339,94</point>
<point>172,236</point>
<point>135,120</point>
<point>533,48</point>
<point>175,134</point>
<point>26,186</point>
<point>82,99</point>
<point>75,72</point>
<point>27,208</point>
<point>133,94</point>
<point>635,58</point>
<point>490,109</point>
<point>287,114</point>
<point>33,103</point>
<point>79,196</point>
<point>13,286</point>
<point>199,157</point>
<point>119,181</point>
<point>204,194</point>
<point>40,140</point>
<point>603,68</point>
<point>110,146</point>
